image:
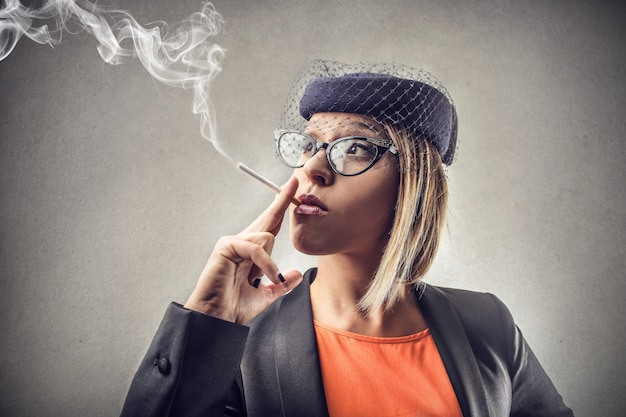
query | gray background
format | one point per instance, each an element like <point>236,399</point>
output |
<point>111,200</point>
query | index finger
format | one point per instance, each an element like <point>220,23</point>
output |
<point>271,218</point>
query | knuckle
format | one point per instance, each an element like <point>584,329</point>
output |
<point>224,240</point>
<point>258,250</point>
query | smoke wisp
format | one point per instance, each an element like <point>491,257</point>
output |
<point>180,55</point>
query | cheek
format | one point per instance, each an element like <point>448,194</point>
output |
<point>384,208</point>
<point>368,215</point>
<point>376,204</point>
<point>377,213</point>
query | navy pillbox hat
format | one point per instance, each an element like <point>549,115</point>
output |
<point>419,108</point>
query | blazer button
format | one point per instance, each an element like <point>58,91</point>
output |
<point>163,364</point>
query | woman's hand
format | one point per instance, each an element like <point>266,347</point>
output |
<point>230,285</point>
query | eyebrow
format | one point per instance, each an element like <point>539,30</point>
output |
<point>368,126</point>
<point>357,124</point>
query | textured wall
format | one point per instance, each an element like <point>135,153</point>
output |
<point>111,200</point>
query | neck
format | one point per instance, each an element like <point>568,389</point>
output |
<point>340,283</point>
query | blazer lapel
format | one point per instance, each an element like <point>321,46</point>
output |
<point>297,360</point>
<point>455,350</point>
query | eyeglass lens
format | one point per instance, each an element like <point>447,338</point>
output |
<point>347,156</point>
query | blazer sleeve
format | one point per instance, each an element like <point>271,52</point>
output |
<point>191,368</point>
<point>533,393</point>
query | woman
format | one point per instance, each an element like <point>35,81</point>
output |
<point>360,335</point>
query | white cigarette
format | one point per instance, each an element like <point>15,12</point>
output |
<point>262,179</point>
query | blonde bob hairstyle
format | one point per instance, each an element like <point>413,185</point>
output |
<point>418,223</point>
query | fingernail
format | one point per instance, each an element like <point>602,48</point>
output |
<point>256,283</point>
<point>281,277</point>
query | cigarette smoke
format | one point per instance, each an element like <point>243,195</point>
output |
<point>180,55</point>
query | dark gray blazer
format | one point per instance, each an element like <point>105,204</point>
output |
<point>201,366</point>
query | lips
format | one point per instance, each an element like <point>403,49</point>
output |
<point>311,206</point>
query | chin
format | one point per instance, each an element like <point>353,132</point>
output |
<point>308,246</point>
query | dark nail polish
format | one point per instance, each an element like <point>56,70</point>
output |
<point>256,283</point>
<point>281,277</point>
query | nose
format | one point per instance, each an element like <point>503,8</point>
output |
<point>319,146</point>
<point>317,169</point>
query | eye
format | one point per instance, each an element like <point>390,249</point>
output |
<point>357,149</point>
<point>308,146</point>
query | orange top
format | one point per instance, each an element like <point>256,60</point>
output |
<point>383,376</point>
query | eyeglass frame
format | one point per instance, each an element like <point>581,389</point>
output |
<point>382,145</point>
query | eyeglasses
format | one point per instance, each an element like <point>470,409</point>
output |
<point>349,156</point>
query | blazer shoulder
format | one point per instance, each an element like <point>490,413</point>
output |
<point>482,314</point>
<point>471,304</point>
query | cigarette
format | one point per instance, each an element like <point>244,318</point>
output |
<point>264,180</point>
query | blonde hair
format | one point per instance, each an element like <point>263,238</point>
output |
<point>418,223</point>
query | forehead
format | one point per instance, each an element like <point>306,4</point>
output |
<point>331,125</point>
